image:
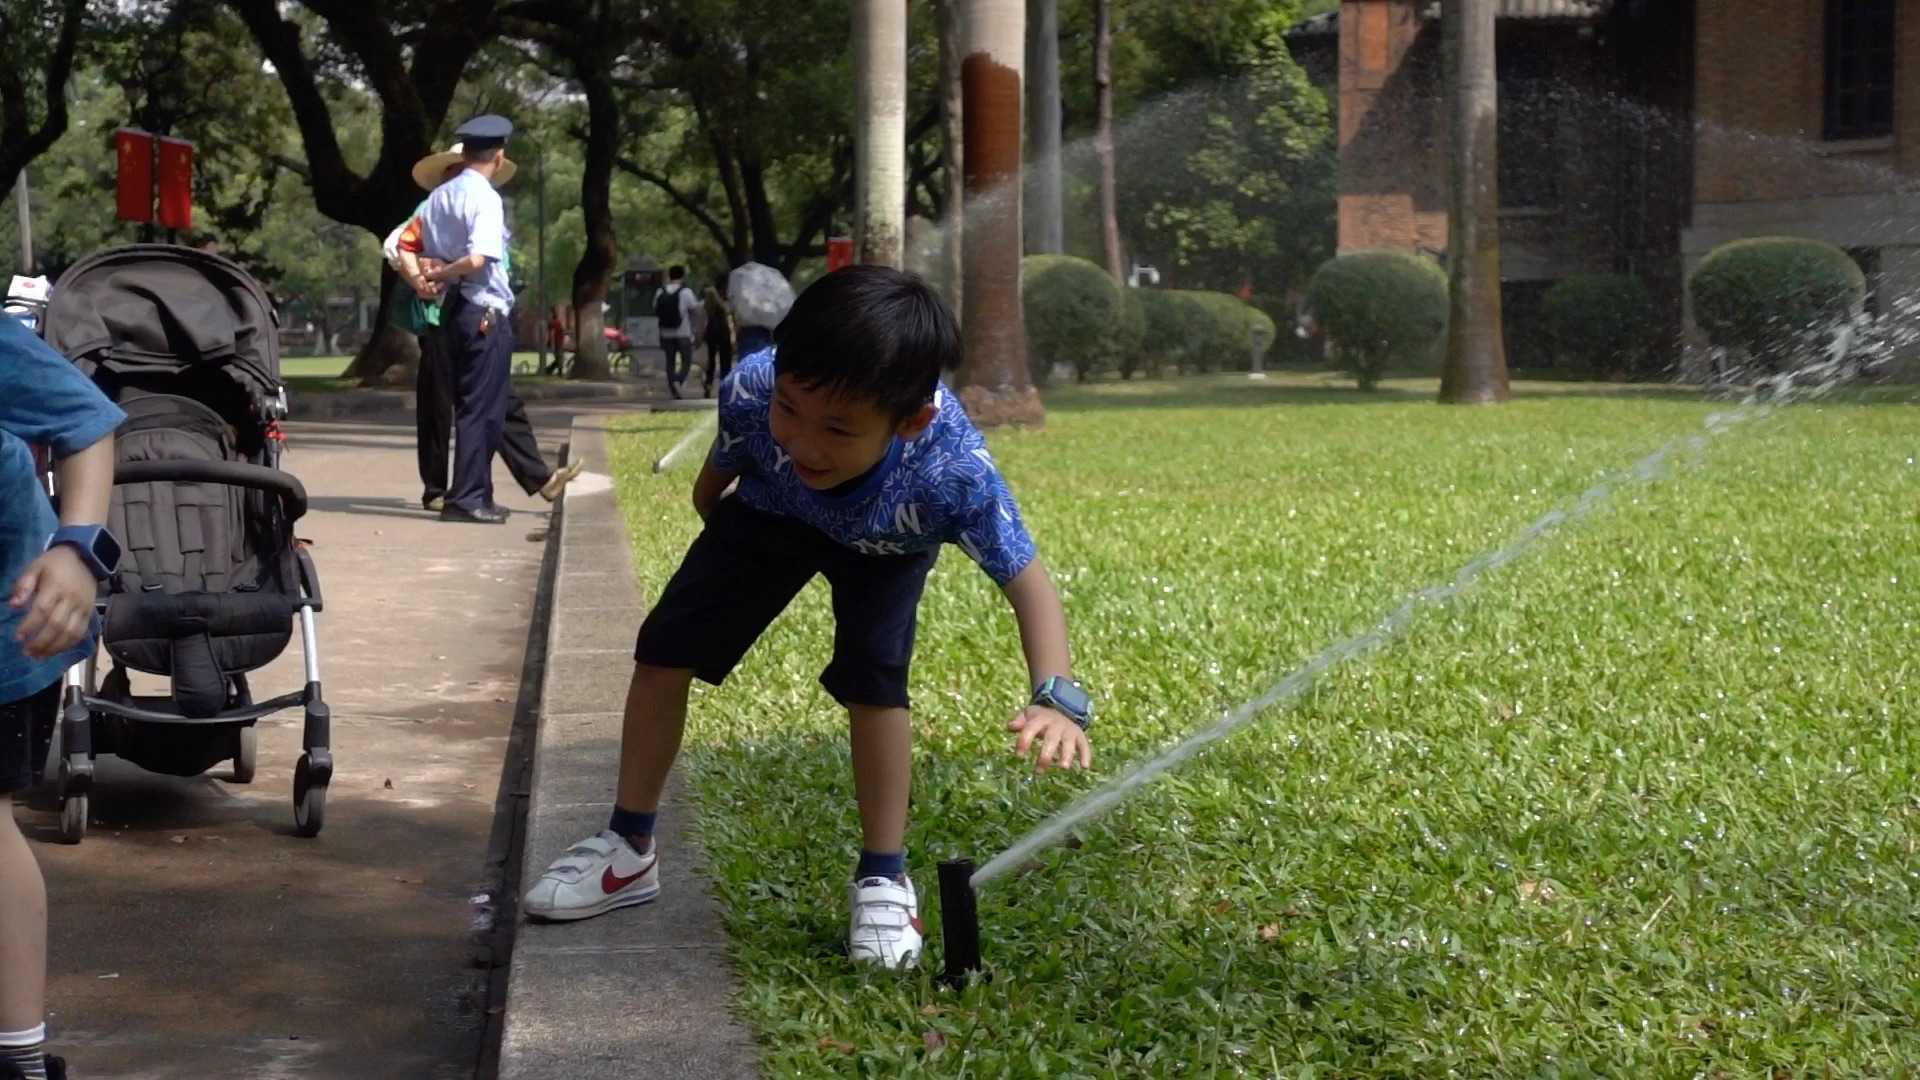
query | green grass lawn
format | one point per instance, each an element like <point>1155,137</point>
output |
<point>1642,803</point>
<point>322,374</point>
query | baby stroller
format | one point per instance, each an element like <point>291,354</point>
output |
<point>213,579</point>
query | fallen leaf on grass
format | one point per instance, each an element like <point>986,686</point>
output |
<point>1542,891</point>
<point>828,1042</point>
<point>1029,867</point>
<point>930,1010</point>
<point>934,1040</point>
<point>1223,906</point>
<point>1269,932</point>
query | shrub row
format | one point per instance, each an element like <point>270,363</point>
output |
<point>1078,315</point>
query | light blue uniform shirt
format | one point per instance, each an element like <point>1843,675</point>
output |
<point>45,400</point>
<point>463,217</point>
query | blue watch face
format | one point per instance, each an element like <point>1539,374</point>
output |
<point>1068,696</point>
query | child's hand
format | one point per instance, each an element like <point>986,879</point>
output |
<point>61,591</point>
<point>1060,740</point>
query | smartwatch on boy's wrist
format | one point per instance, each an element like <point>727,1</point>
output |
<point>1066,697</point>
<point>93,543</point>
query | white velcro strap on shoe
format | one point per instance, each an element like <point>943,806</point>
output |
<point>883,916</point>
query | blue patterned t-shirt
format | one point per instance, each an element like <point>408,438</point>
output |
<point>938,488</point>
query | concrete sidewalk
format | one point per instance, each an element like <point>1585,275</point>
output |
<point>193,937</point>
<point>643,991</point>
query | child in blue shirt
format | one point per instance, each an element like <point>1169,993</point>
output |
<point>51,571</point>
<point>851,461</point>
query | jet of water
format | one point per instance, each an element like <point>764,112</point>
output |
<point>697,433</point>
<point>1756,404</point>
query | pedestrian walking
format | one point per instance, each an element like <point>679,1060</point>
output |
<point>719,335</point>
<point>677,308</point>
<point>52,564</point>
<point>464,230</point>
<point>421,314</point>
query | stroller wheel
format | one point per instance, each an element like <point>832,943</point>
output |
<point>246,754</point>
<point>73,819</point>
<point>309,801</point>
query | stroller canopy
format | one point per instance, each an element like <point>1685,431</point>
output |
<point>159,309</point>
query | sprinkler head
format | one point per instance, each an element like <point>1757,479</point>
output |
<point>659,465</point>
<point>959,923</point>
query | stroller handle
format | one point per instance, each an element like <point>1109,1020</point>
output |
<point>293,495</point>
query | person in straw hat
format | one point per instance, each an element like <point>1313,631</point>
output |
<point>420,313</point>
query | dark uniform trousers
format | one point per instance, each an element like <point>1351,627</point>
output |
<point>482,367</point>
<point>433,426</point>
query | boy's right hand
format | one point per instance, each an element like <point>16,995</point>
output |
<point>61,592</point>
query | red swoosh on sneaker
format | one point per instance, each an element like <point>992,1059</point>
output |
<point>611,882</point>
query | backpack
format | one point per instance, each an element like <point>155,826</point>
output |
<point>666,307</point>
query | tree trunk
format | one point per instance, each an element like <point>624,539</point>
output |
<point>994,383</point>
<point>1476,364</point>
<point>601,255</point>
<point>879,131</point>
<point>1103,138</point>
<point>1046,222</point>
<point>953,142</point>
<point>387,346</point>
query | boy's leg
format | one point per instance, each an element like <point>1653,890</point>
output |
<point>739,574</point>
<point>23,900</point>
<point>876,601</point>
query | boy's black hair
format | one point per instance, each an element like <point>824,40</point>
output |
<point>675,272</point>
<point>869,332</point>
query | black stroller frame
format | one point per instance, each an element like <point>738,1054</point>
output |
<point>145,322</point>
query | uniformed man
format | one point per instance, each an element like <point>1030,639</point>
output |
<point>464,229</point>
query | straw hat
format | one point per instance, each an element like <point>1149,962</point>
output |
<point>429,171</point>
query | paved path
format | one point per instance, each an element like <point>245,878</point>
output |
<point>195,937</point>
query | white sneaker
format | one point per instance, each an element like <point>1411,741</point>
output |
<point>886,923</point>
<point>595,876</point>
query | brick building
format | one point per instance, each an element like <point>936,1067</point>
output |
<point>1637,135</point>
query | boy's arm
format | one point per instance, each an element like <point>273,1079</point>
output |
<point>59,585</point>
<point>1043,623</point>
<point>711,484</point>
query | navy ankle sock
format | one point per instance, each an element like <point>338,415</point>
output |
<point>633,825</point>
<point>890,864</point>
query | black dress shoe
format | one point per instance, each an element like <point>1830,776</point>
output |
<point>492,515</point>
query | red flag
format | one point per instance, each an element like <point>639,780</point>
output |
<point>176,183</point>
<point>839,253</point>
<point>135,150</point>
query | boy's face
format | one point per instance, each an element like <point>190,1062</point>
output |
<point>834,438</point>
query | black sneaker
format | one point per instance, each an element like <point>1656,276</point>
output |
<point>492,515</point>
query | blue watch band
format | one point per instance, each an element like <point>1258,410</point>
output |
<point>1067,698</point>
<point>95,545</point>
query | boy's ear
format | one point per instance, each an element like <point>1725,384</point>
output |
<point>917,421</point>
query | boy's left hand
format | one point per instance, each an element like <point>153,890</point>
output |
<point>61,592</point>
<point>1060,740</point>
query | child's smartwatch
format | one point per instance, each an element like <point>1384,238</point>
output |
<point>1066,697</point>
<point>93,543</point>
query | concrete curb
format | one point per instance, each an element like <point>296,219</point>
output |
<point>641,991</point>
<point>362,404</point>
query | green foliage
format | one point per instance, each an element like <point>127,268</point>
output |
<point>1599,321</point>
<point>1226,329</point>
<point>1639,805</point>
<point>1074,314</point>
<point>1381,309</point>
<point>1130,345</point>
<point>1779,299</point>
<point>1224,148</point>
<point>1168,319</point>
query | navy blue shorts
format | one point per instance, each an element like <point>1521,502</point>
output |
<point>25,728</point>
<point>743,570</point>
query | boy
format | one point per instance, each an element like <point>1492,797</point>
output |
<point>52,568</point>
<point>852,462</point>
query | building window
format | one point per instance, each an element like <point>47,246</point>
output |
<point>1529,132</point>
<point>1859,69</point>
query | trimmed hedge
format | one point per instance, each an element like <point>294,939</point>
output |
<point>1075,315</point>
<point>1779,299</point>
<point>1599,322</point>
<point>1181,330</point>
<point>1226,329</point>
<point>1381,309</point>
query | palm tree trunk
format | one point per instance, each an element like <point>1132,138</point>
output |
<point>994,384</point>
<point>880,130</point>
<point>1103,137</point>
<point>1046,223</point>
<point>1476,364</point>
<point>953,142</point>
